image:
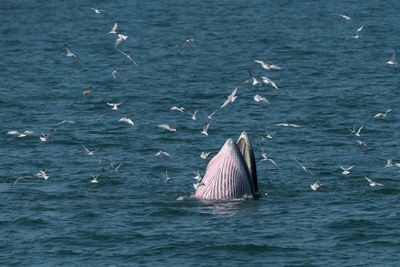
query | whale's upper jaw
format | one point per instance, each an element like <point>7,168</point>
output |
<point>227,175</point>
<point>245,148</point>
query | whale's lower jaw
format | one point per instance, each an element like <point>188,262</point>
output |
<point>227,176</point>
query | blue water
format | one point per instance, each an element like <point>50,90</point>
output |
<point>133,216</point>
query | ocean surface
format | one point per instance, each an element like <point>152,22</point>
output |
<point>138,217</point>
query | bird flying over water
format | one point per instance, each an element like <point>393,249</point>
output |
<point>42,174</point>
<point>89,152</point>
<point>114,105</point>
<point>128,56</point>
<point>231,98</point>
<point>357,34</point>
<point>193,114</point>
<point>205,128</point>
<point>23,134</point>
<point>181,109</point>
<point>120,38</point>
<point>205,155</point>
<point>187,42</point>
<point>345,17</point>
<point>96,10</point>
<point>284,124</point>
<point>113,29</point>
<point>69,53</point>
<point>356,133</point>
<point>259,98</point>
<point>346,170</point>
<point>127,120</point>
<point>167,127</point>
<point>267,66</point>
<point>392,61</point>
<point>162,153</point>
<point>317,185</point>
<point>372,183</point>
<point>269,81</point>
<point>45,137</point>
<point>212,114</point>
<point>304,167</point>
<point>87,92</point>
<point>383,115</point>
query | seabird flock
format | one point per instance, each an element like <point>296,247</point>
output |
<point>252,80</point>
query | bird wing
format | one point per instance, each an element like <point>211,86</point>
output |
<point>360,29</point>
<point>359,129</point>
<point>206,126</point>
<point>274,67</point>
<point>349,38</point>
<point>87,150</point>
<point>393,58</point>
<point>369,180</point>
<point>114,28</point>
<point>263,99</point>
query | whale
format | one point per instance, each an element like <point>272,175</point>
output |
<point>231,173</point>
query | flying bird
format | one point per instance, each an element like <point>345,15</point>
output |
<point>356,133</point>
<point>304,167</point>
<point>167,127</point>
<point>187,42</point>
<point>165,174</point>
<point>267,66</point>
<point>231,98</point>
<point>181,109</point>
<point>259,98</point>
<point>23,134</point>
<point>45,137</point>
<point>269,81</point>
<point>114,105</point>
<point>361,143</point>
<point>101,116</point>
<point>127,120</point>
<point>89,152</point>
<point>162,153</point>
<point>253,80</point>
<point>392,61</point>
<point>389,163</point>
<point>346,170</point>
<point>205,128</point>
<point>88,92</point>
<point>128,56</point>
<point>345,17</point>
<point>65,121</point>
<point>317,185</point>
<point>205,155</point>
<point>120,38</point>
<point>42,174</point>
<point>372,183</point>
<point>357,34</point>
<point>113,29</point>
<point>212,114</point>
<point>115,169</point>
<point>94,180</point>
<point>284,124</point>
<point>265,156</point>
<point>193,114</point>
<point>96,10</point>
<point>69,53</point>
<point>383,115</point>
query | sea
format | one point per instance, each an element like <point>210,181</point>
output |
<point>144,214</point>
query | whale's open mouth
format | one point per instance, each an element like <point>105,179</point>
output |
<point>231,174</point>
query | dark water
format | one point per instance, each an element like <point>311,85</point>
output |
<point>133,216</point>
